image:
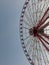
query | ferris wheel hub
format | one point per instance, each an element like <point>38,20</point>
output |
<point>33,31</point>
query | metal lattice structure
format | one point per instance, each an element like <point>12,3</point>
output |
<point>34,31</point>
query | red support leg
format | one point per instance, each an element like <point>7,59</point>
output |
<point>42,43</point>
<point>44,18</point>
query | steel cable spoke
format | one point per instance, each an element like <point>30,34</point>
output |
<point>27,23</point>
<point>43,52</point>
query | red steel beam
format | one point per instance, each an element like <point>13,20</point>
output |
<point>42,42</point>
<point>41,23</point>
<point>42,19</point>
<point>44,26</point>
<point>43,39</point>
<point>45,35</point>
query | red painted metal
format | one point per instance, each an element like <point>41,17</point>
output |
<point>45,35</point>
<point>43,19</point>
<point>39,37</point>
<point>43,39</point>
<point>45,25</point>
<point>34,31</point>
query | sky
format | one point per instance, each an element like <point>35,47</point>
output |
<point>11,52</point>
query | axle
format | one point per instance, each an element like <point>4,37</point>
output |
<point>33,31</point>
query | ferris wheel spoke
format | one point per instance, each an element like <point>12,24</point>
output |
<point>31,47</point>
<point>27,23</point>
<point>45,35</point>
<point>27,37</point>
<point>44,18</point>
<point>40,53</point>
<point>41,11</point>
<point>25,28</point>
<point>43,7</point>
<point>34,15</point>
<point>41,14</point>
<point>28,18</point>
<point>37,11</point>
<point>27,42</point>
<point>34,47</point>
<point>37,53</point>
<point>25,33</point>
<point>30,13</point>
<point>44,26</point>
<point>33,4</point>
<point>33,12</point>
<point>43,39</point>
<point>44,21</point>
<point>45,55</point>
<point>42,42</point>
<point>43,52</point>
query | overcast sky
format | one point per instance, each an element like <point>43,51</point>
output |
<point>11,52</point>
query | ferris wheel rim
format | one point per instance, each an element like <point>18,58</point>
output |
<point>22,42</point>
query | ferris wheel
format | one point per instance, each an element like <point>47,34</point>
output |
<point>34,31</point>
